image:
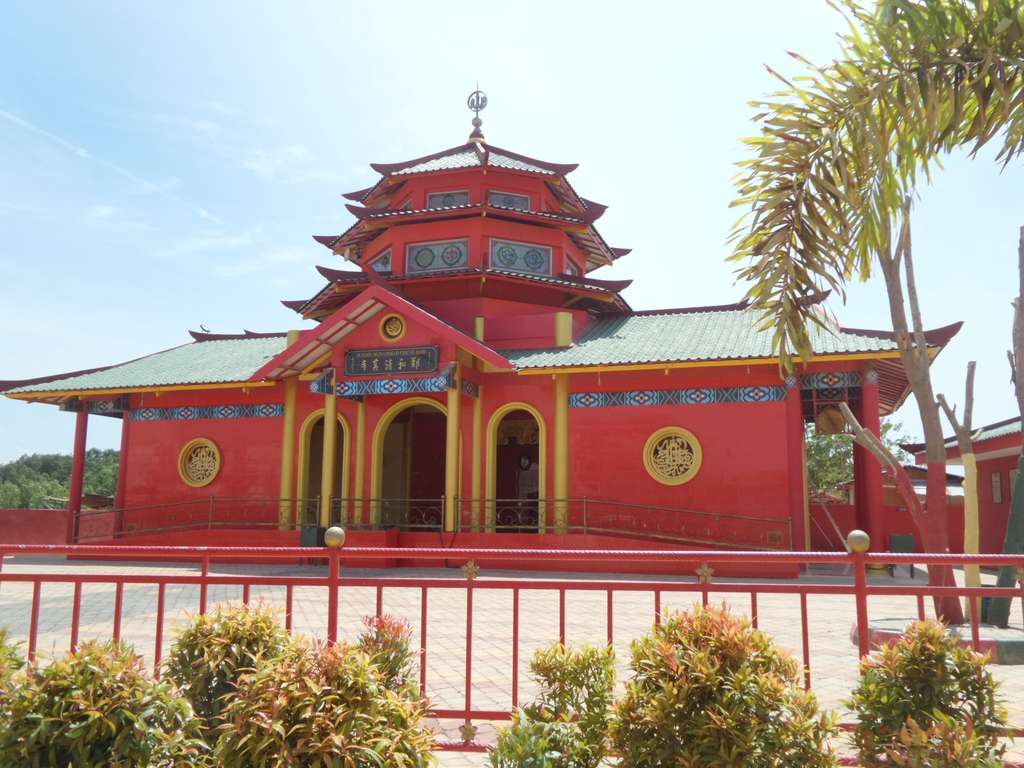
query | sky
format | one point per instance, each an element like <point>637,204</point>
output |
<point>163,166</point>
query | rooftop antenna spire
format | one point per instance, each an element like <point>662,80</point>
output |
<point>477,101</point>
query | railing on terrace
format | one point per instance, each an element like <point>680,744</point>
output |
<point>583,516</point>
<point>338,585</point>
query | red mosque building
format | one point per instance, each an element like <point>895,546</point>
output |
<point>464,370</point>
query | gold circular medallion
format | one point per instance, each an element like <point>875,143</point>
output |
<point>392,327</point>
<point>673,455</point>
<point>199,462</point>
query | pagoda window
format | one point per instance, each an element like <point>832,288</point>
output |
<point>406,206</point>
<point>382,263</point>
<point>436,256</point>
<point>447,199</point>
<point>509,200</point>
<point>521,257</point>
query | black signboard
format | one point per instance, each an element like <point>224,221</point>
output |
<point>391,361</point>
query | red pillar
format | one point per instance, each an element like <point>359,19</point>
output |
<point>122,473</point>
<point>795,464</point>
<point>870,484</point>
<point>77,473</point>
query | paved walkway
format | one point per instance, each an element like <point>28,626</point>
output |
<point>833,660</point>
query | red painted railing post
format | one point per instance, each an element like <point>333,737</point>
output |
<point>204,573</point>
<point>858,543</point>
<point>332,596</point>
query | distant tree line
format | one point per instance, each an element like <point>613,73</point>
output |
<point>29,481</point>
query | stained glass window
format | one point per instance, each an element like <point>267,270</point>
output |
<point>383,262</point>
<point>521,257</point>
<point>447,199</point>
<point>509,200</point>
<point>436,257</point>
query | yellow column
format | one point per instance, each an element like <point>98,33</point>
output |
<point>451,451</point>
<point>330,458</point>
<point>358,505</point>
<point>561,451</point>
<point>286,492</point>
<point>474,485</point>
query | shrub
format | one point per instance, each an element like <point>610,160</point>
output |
<point>708,690</point>
<point>96,707</point>
<point>945,745</point>
<point>567,725</point>
<point>926,676</point>
<point>10,659</point>
<point>321,704</point>
<point>213,651</point>
<point>388,643</point>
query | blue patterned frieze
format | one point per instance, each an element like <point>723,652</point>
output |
<point>195,412</point>
<point>701,396</point>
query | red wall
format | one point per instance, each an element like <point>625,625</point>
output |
<point>33,526</point>
<point>744,468</point>
<point>250,448</point>
<point>992,514</point>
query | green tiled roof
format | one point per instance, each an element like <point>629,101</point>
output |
<point>685,336</point>
<point>470,158</point>
<point>201,362</point>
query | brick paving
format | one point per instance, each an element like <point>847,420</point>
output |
<point>833,660</point>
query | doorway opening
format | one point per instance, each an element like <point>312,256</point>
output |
<point>412,456</point>
<point>517,478</point>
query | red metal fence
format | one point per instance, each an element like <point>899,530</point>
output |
<point>860,588</point>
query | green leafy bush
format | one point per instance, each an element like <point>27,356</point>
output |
<point>928,677</point>
<point>319,704</point>
<point>97,708</point>
<point>388,643</point>
<point>214,650</point>
<point>10,659</point>
<point>708,690</point>
<point>946,744</point>
<point>567,725</point>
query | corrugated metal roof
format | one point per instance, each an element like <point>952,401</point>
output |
<point>684,336</point>
<point>1000,429</point>
<point>201,362</point>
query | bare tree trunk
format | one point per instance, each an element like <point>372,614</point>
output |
<point>965,442</point>
<point>1013,544</point>
<point>931,521</point>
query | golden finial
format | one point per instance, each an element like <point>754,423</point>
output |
<point>477,101</point>
<point>468,732</point>
<point>704,573</point>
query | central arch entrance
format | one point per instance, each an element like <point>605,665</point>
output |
<point>410,466</point>
<point>516,469</point>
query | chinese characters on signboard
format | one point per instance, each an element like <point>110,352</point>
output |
<point>401,360</point>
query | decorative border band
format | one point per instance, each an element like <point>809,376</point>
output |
<point>702,396</point>
<point>195,412</point>
<point>831,380</point>
<point>439,383</point>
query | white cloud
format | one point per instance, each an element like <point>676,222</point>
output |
<point>288,163</point>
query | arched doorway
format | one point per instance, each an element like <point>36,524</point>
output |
<point>410,466</point>
<point>311,465</point>
<point>516,469</point>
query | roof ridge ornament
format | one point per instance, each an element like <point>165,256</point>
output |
<point>476,102</point>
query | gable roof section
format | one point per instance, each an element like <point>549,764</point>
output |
<point>314,344</point>
<point>217,361</point>
<point>707,334</point>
